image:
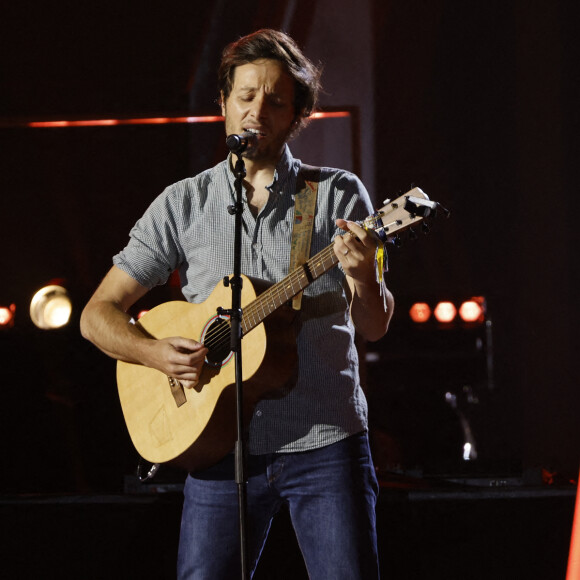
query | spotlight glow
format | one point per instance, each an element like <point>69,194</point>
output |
<point>472,310</point>
<point>62,123</point>
<point>7,316</point>
<point>51,307</point>
<point>445,312</point>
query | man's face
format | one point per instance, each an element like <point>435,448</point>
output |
<point>261,101</point>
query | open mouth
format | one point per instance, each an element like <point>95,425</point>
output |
<point>255,132</point>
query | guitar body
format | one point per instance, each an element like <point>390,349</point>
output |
<point>195,428</point>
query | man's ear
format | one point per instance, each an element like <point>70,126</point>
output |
<point>297,121</point>
<point>298,117</point>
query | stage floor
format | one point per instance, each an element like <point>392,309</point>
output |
<point>448,531</point>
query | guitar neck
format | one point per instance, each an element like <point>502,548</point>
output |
<point>393,217</point>
<point>283,291</point>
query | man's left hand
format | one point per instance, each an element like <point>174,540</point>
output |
<point>356,251</point>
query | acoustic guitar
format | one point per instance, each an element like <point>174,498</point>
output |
<point>195,428</point>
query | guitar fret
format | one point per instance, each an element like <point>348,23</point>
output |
<point>246,327</point>
<point>286,289</point>
<point>297,280</point>
<point>263,309</point>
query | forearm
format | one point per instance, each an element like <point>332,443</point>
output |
<point>106,324</point>
<point>356,252</point>
<point>108,327</point>
<point>367,309</point>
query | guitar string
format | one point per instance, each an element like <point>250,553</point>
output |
<point>279,292</point>
<point>222,332</point>
<point>272,299</point>
<point>268,306</point>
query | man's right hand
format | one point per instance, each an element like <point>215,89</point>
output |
<point>106,323</point>
<point>178,357</point>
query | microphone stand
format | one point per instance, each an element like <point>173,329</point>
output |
<point>236,347</point>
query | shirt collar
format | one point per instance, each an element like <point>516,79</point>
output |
<point>283,170</point>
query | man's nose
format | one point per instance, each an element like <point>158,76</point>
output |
<point>259,106</point>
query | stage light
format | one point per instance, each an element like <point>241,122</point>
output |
<point>420,312</point>
<point>51,307</point>
<point>469,452</point>
<point>445,312</point>
<point>472,310</point>
<point>7,316</point>
<point>67,123</point>
<point>467,311</point>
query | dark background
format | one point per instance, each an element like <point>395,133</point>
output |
<point>477,103</point>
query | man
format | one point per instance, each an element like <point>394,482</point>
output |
<point>307,449</point>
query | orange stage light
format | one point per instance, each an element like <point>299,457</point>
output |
<point>573,572</point>
<point>472,310</point>
<point>445,312</point>
<point>420,312</point>
<point>330,115</point>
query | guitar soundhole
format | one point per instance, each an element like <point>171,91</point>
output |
<point>216,337</point>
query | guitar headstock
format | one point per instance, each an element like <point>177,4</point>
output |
<point>401,214</point>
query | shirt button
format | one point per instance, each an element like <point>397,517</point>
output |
<point>258,413</point>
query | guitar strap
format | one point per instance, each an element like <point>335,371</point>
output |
<point>304,211</point>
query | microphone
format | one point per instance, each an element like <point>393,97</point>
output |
<point>242,142</point>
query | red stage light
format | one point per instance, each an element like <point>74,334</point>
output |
<point>420,312</point>
<point>113,122</point>
<point>445,312</point>
<point>153,120</point>
<point>7,316</point>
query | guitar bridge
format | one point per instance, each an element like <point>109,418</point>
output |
<point>177,391</point>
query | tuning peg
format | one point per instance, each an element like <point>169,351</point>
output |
<point>397,242</point>
<point>425,227</point>
<point>412,234</point>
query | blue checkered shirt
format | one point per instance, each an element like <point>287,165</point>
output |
<point>188,228</point>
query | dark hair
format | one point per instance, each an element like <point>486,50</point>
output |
<point>273,44</point>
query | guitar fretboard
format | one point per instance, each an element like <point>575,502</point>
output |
<point>286,289</point>
<point>393,217</point>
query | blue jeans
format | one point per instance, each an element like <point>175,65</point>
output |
<point>331,495</point>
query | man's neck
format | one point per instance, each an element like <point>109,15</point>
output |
<point>256,184</point>
<point>260,170</point>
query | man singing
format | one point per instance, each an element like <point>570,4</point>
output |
<point>308,448</point>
